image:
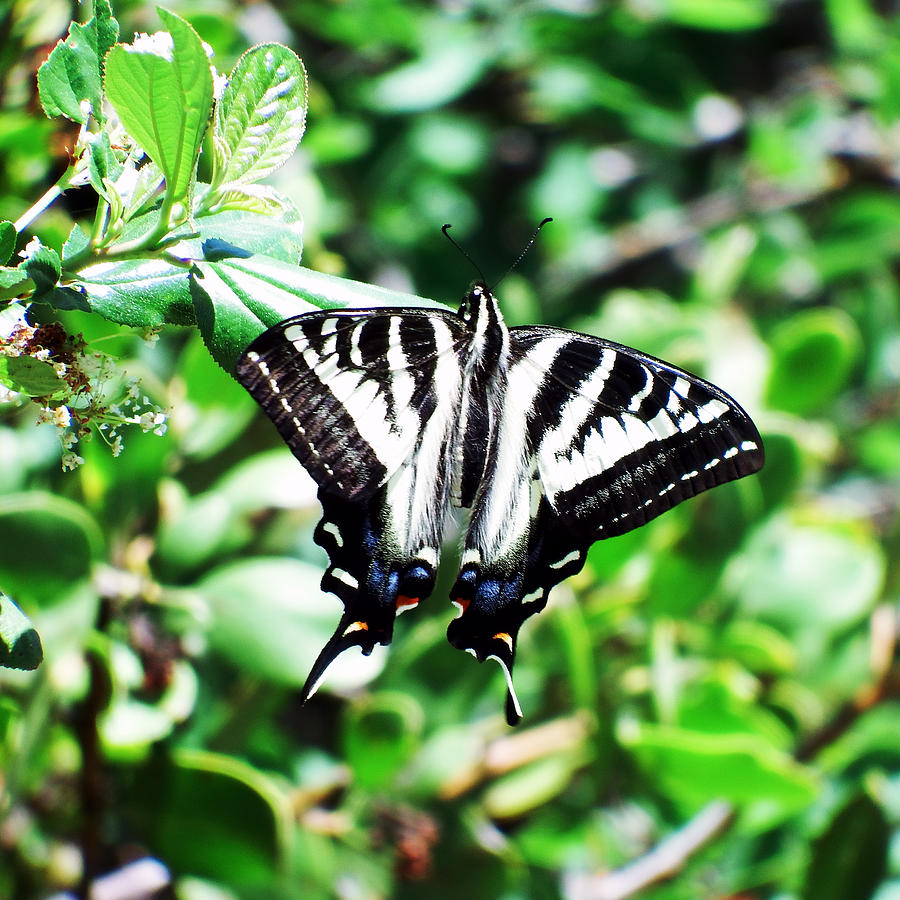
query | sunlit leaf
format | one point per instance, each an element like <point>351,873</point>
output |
<point>161,87</point>
<point>73,71</point>
<point>237,299</point>
<point>262,114</point>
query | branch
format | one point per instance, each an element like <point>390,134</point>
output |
<point>664,861</point>
<point>883,643</point>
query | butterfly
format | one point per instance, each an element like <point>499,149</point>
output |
<point>552,439</point>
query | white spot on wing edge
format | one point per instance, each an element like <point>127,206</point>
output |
<point>316,684</point>
<point>346,578</point>
<point>569,557</point>
<point>335,532</point>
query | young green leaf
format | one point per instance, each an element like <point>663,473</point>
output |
<point>29,376</point>
<point>262,114</point>
<point>161,87</point>
<point>73,71</point>
<point>103,165</point>
<point>20,644</point>
<point>43,267</point>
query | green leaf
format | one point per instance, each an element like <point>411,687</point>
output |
<point>807,576</point>
<point>278,236</point>
<point>221,408</point>
<point>696,767</point>
<point>43,267</point>
<point>237,299</point>
<point>380,737</point>
<point>8,237</point>
<point>13,280</point>
<point>30,376</point>
<point>242,813</point>
<point>262,114</point>
<point>73,71</point>
<point>814,353</point>
<point>142,293</point>
<point>448,67</point>
<point>103,165</point>
<point>47,543</point>
<point>269,617</point>
<point>850,857</point>
<point>855,26</point>
<point>718,15</point>
<point>532,786</point>
<point>161,87</point>
<point>20,644</point>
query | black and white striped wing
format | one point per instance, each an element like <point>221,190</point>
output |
<point>351,391</point>
<point>594,440</point>
<point>355,395</point>
<point>620,436</point>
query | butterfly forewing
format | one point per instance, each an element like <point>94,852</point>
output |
<point>351,391</point>
<point>621,436</point>
<point>553,438</point>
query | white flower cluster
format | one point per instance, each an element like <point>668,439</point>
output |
<point>92,395</point>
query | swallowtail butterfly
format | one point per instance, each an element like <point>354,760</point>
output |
<point>552,439</point>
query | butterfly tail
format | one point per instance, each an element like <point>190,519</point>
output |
<point>348,634</point>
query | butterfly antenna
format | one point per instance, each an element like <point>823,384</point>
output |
<point>475,266</point>
<point>525,249</point>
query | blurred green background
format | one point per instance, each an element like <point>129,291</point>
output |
<point>721,684</point>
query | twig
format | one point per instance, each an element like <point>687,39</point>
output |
<point>92,784</point>
<point>662,862</point>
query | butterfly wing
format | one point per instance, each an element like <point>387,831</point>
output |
<point>621,436</point>
<point>595,439</point>
<point>350,391</point>
<point>354,394</point>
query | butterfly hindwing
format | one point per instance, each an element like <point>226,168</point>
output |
<point>371,572</point>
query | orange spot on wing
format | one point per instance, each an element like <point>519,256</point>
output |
<point>462,603</point>
<point>406,602</point>
<point>503,636</point>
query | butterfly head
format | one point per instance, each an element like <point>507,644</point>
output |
<point>476,303</point>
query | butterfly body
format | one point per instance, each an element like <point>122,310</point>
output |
<point>552,438</point>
